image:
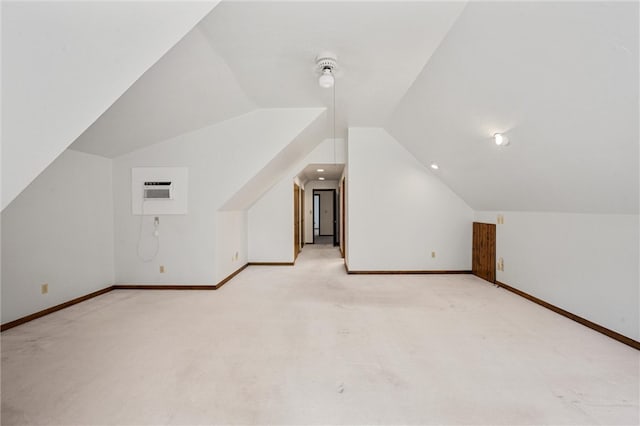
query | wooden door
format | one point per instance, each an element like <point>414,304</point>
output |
<point>296,221</point>
<point>484,251</point>
<point>342,218</point>
<point>302,215</point>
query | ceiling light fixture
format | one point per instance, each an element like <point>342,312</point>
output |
<point>320,170</point>
<point>326,65</point>
<point>326,79</point>
<point>500,139</point>
<point>434,166</point>
<point>320,178</point>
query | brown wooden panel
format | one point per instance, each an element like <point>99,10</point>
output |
<point>343,223</point>
<point>483,262</point>
<point>296,221</point>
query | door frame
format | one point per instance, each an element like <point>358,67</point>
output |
<point>334,225</point>
<point>296,221</point>
<point>343,224</point>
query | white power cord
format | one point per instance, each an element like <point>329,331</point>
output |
<point>156,235</point>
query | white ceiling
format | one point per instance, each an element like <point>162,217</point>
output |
<point>381,48</point>
<point>331,172</point>
<point>189,88</point>
<point>561,79</point>
<point>65,62</point>
<point>245,55</point>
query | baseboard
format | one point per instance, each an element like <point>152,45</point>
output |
<point>164,287</point>
<point>53,309</point>
<point>411,272</point>
<point>229,277</point>
<point>77,300</point>
<point>592,325</point>
<point>271,263</point>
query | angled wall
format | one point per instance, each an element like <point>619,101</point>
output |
<point>190,87</point>
<point>399,212</point>
<point>58,231</point>
<point>221,159</point>
<point>271,216</point>
<point>586,264</point>
<point>62,53</point>
<point>560,79</point>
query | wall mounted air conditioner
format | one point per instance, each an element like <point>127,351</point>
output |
<point>158,190</point>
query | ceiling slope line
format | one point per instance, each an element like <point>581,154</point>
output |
<point>78,56</point>
<point>278,166</point>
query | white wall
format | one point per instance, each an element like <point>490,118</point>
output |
<point>62,53</point>
<point>271,216</point>
<point>221,159</point>
<point>271,225</point>
<point>399,212</point>
<point>231,242</point>
<point>586,264</point>
<point>59,231</point>
<point>308,206</point>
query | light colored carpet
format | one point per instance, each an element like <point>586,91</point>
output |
<point>310,345</point>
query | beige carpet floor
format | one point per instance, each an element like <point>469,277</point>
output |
<point>310,345</point>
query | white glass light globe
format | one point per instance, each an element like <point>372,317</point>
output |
<point>500,139</point>
<point>326,79</point>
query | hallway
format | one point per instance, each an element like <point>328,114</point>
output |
<point>310,344</point>
<point>328,239</point>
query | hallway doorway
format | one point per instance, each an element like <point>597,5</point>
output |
<point>324,217</point>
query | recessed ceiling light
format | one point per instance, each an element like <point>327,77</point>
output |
<point>320,170</point>
<point>434,166</point>
<point>500,139</point>
<point>320,178</point>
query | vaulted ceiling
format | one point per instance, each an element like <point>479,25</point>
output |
<point>65,62</point>
<point>559,78</point>
<point>247,55</point>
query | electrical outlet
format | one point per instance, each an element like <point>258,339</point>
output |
<point>433,254</point>
<point>162,269</point>
<point>236,256</point>
<point>44,288</point>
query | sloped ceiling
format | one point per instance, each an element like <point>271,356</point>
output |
<point>189,88</point>
<point>306,140</point>
<point>381,47</point>
<point>261,54</point>
<point>560,79</point>
<point>65,62</point>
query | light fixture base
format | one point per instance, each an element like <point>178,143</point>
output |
<point>326,60</point>
<point>326,64</point>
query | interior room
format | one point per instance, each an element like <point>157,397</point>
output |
<point>307,212</point>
